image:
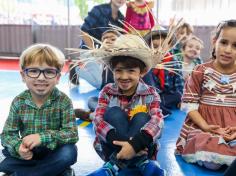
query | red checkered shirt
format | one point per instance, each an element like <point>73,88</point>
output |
<point>110,97</point>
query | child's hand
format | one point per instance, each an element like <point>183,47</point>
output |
<point>25,152</point>
<point>142,152</point>
<point>211,128</point>
<point>221,131</point>
<point>230,134</point>
<point>232,129</point>
<point>31,141</point>
<point>127,152</point>
<point>229,137</point>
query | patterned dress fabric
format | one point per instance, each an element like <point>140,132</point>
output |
<point>214,96</point>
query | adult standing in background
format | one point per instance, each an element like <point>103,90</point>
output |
<point>98,20</point>
<point>95,24</point>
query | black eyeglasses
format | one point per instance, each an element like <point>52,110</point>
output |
<point>48,73</point>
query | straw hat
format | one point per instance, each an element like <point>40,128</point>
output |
<point>134,46</point>
<point>152,34</point>
<point>125,45</point>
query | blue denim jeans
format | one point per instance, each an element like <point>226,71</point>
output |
<point>119,120</point>
<point>124,128</point>
<point>45,162</point>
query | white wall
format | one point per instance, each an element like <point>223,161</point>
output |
<point>197,12</point>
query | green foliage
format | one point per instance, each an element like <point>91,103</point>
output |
<point>83,6</point>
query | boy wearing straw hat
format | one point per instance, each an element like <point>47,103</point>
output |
<point>128,117</point>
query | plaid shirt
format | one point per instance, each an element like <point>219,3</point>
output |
<point>54,121</point>
<point>98,19</point>
<point>179,55</point>
<point>110,97</point>
<point>174,82</point>
<point>197,61</point>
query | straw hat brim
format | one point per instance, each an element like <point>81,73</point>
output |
<point>125,45</point>
<point>152,34</point>
<point>141,54</point>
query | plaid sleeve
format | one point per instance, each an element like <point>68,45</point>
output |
<point>153,127</point>
<point>10,135</point>
<point>68,132</point>
<point>179,80</point>
<point>101,126</point>
<point>198,61</point>
<point>179,83</point>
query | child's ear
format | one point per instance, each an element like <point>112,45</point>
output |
<point>144,72</point>
<point>213,41</point>
<point>58,78</point>
<point>22,76</point>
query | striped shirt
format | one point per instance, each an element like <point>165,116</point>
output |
<point>54,121</point>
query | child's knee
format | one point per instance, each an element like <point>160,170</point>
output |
<point>68,153</point>
<point>142,117</point>
<point>113,113</point>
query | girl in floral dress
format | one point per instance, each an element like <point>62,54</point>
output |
<point>208,134</point>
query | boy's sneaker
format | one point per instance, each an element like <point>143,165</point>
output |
<point>82,114</point>
<point>152,168</point>
<point>107,170</point>
<point>101,172</point>
<point>73,75</point>
<point>68,172</point>
<point>4,174</point>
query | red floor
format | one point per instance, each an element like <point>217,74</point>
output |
<point>13,64</point>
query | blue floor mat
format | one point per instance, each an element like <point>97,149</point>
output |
<point>88,160</point>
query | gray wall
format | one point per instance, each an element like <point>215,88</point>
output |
<point>15,38</point>
<point>205,34</point>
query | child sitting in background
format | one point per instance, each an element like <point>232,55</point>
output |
<point>208,135</point>
<point>127,119</point>
<point>139,17</point>
<point>183,32</point>
<point>191,54</point>
<point>169,84</point>
<point>98,75</point>
<point>95,73</point>
<point>40,132</point>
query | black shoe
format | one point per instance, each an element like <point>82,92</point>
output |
<point>73,76</point>
<point>82,114</point>
<point>165,111</point>
<point>68,172</point>
<point>5,174</point>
